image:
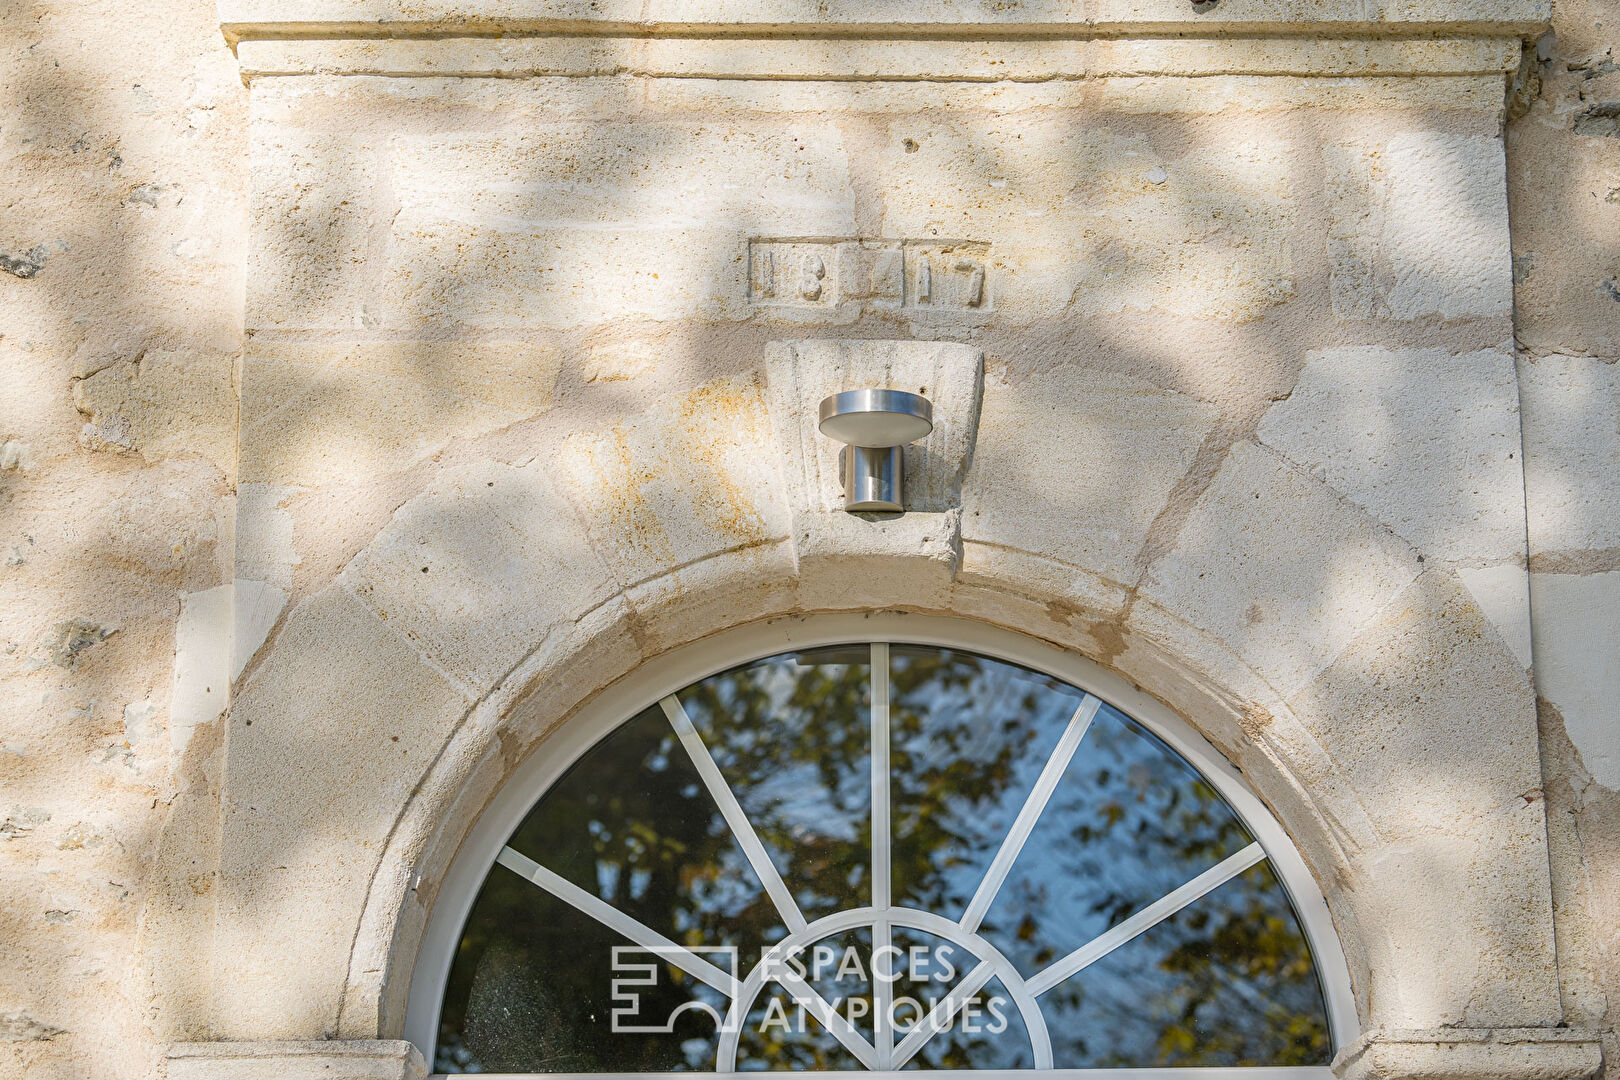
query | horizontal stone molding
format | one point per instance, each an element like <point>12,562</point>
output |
<point>835,58</point>
<point>369,1059</point>
<point>1472,1054</point>
<point>379,18</point>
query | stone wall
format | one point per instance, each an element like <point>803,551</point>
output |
<point>1564,184</point>
<point>521,356</point>
<point>123,148</point>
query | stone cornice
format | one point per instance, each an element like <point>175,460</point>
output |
<point>970,19</point>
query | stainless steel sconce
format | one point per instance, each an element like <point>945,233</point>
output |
<point>874,425</point>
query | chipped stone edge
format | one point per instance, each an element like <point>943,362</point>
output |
<point>1471,1054</point>
<point>368,1059</point>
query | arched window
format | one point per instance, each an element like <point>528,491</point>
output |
<point>890,856</point>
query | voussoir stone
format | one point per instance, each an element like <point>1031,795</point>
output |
<point>692,477</point>
<point>482,568</point>
<point>1278,567</point>
<point>1076,464</point>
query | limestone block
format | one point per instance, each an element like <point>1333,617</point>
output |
<point>478,275</point>
<point>1425,440</point>
<point>580,223</point>
<point>332,731</point>
<point>848,561</point>
<point>773,178</point>
<point>1084,218</point>
<point>691,478</point>
<point>165,403</point>
<point>314,197</point>
<point>264,534</point>
<point>1471,1054</point>
<point>324,1060</point>
<point>202,665</point>
<point>1456,927</point>
<point>1428,713</point>
<point>1075,465</point>
<point>328,739</point>
<point>1502,594</point>
<point>480,569</point>
<point>1277,567</point>
<point>799,375</point>
<point>1065,591</point>
<point>1566,213</point>
<point>1418,226</point>
<point>315,415</point>
<point>285,912</point>
<point>1577,635</point>
<point>1571,408</point>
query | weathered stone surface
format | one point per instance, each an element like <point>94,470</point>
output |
<point>1577,633</point>
<point>1077,464</point>
<point>1383,708</point>
<point>1471,1054</point>
<point>163,404</point>
<point>296,852</point>
<point>1426,441</point>
<point>1145,204</point>
<point>326,1060</point>
<point>480,570</point>
<point>1418,227</point>
<point>1100,221</point>
<point>692,478</point>
<point>315,415</point>
<point>313,210</point>
<point>1274,565</point>
<point>574,209</point>
<point>1571,441</point>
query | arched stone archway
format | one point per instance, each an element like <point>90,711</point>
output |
<point>495,603</point>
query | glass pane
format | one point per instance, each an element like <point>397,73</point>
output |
<point>969,736</point>
<point>1226,981</point>
<point>1130,822</point>
<point>537,986</point>
<point>792,736</point>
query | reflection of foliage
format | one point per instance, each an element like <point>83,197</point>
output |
<point>1228,981</point>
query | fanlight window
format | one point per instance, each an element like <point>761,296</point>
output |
<point>881,857</point>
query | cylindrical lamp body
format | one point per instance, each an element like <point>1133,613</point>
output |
<point>873,478</point>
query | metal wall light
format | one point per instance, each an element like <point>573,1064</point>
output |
<point>874,425</point>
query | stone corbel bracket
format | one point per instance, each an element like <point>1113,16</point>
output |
<point>924,544</point>
<point>1472,1054</point>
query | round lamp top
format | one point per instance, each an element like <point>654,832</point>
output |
<point>876,417</point>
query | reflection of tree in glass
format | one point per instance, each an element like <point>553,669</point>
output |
<point>792,738</point>
<point>1227,981</point>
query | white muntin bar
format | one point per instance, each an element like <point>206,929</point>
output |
<point>616,920</point>
<point>882,883</point>
<point>753,848</point>
<point>1047,783</point>
<point>1144,920</point>
<point>943,1014</point>
<point>805,996</point>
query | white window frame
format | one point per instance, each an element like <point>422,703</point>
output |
<point>672,672</point>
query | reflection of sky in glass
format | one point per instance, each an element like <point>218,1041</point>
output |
<point>1226,981</point>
